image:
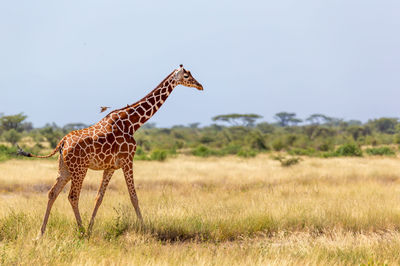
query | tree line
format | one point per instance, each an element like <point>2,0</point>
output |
<point>241,134</point>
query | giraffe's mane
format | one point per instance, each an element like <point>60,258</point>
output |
<point>136,103</point>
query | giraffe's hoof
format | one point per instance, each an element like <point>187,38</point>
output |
<point>89,233</point>
<point>39,237</point>
<point>81,231</point>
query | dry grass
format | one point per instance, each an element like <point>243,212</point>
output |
<point>211,211</point>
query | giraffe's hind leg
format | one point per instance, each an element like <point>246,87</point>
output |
<point>62,180</point>
<point>76,184</point>
<point>100,194</point>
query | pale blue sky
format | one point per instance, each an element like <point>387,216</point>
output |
<point>61,60</point>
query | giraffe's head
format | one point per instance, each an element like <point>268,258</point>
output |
<point>183,77</point>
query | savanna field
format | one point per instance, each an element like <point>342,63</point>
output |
<point>216,210</point>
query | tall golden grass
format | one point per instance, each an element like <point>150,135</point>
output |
<point>211,211</point>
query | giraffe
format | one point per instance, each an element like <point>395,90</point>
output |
<point>107,145</point>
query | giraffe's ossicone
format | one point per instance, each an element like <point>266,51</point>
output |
<point>108,145</point>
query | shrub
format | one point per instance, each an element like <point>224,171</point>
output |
<point>201,151</point>
<point>290,139</point>
<point>287,162</point>
<point>179,144</point>
<point>349,149</point>
<point>141,155</point>
<point>52,135</point>
<point>7,153</point>
<point>396,139</point>
<point>246,153</point>
<point>158,155</point>
<point>257,142</point>
<point>12,136</point>
<point>278,144</point>
<point>325,146</point>
<point>204,151</point>
<point>206,139</point>
<point>290,161</point>
<point>299,151</point>
<point>231,149</point>
<point>380,151</point>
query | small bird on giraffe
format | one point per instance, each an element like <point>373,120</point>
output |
<point>103,108</point>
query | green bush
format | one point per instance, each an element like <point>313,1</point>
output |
<point>257,141</point>
<point>349,149</point>
<point>396,139</point>
<point>299,151</point>
<point>380,151</point>
<point>286,162</point>
<point>325,146</point>
<point>246,153</point>
<point>204,151</point>
<point>290,161</point>
<point>231,149</point>
<point>52,135</point>
<point>12,136</point>
<point>141,155</point>
<point>158,155</point>
<point>278,144</point>
<point>7,153</point>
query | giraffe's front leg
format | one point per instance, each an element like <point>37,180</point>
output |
<point>100,194</point>
<point>128,173</point>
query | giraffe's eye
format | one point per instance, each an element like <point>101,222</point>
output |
<point>185,76</point>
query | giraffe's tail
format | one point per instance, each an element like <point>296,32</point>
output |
<point>28,154</point>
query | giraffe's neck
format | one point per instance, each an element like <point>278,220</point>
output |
<point>132,117</point>
<point>150,104</point>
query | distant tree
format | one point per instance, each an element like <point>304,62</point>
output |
<point>194,125</point>
<point>334,122</point>
<point>384,125</point>
<point>320,132</point>
<point>12,136</point>
<point>178,126</point>
<point>353,122</point>
<point>52,125</point>
<point>8,122</point>
<point>27,126</point>
<point>356,131</point>
<point>285,119</point>
<point>265,127</point>
<point>238,119</point>
<point>317,119</point>
<point>52,134</point>
<point>214,127</point>
<point>149,125</point>
<point>295,121</point>
<point>74,126</point>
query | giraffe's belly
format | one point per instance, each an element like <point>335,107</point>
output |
<point>111,155</point>
<point>109,160</point>
<point>101,162</point>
